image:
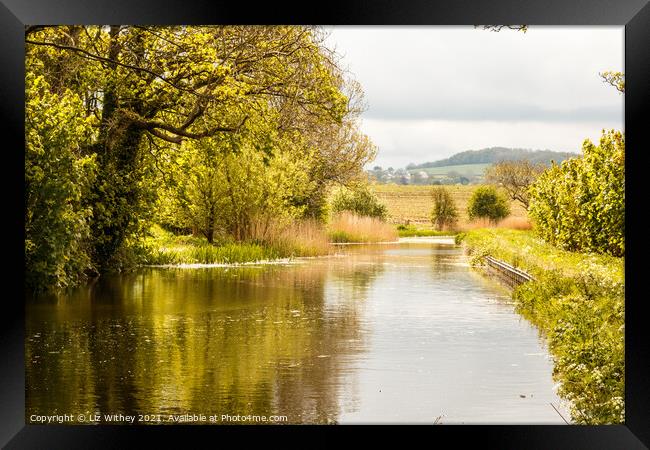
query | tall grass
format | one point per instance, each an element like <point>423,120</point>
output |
<point>267,241</point>
<point>348,227</point>
<point>300,238</point>
<point>511,223</point>
<point>212,254</point>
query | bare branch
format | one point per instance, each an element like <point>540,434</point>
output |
<point>497,28</point>
<point>616,79</point>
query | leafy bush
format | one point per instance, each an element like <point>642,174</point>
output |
<point>444,213</point>
<point>359,201</point>
<point>57,178</point>
<point>580,204</point>
<point>486,202</point>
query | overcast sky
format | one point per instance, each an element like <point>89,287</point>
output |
<point>436,91</point>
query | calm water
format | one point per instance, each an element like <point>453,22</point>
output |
<point>396,333</point>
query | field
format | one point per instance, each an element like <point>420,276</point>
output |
<point>463,169</point>
<point>414,203</point>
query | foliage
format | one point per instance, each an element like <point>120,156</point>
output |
<point>360,201</point>
<point>578,301</point>
<point>224,184</point>
<point>177,119</point>
<point>515,177</point>
<point>57,176</point>
<point>536,256</point>
<point>487,202</point>
<point>444,214</point>
<point>616,79</point>
<point>580,204</point>
<point>583,318</point>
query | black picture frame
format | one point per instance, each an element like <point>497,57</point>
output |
<point>633,14</point>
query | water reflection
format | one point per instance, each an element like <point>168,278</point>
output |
<point>388,333</point>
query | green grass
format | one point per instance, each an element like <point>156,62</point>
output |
<point>165,248</point>
<point>340,237</point>
<point>577,300</point>
<point>346,237</point>
<point>523,249</point>
<point>411,231</point>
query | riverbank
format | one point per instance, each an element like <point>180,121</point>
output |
<point>163,248</point>
<point>303,239</point>
<point>406,231</point>
<point>577,300</point>
<point>201,337</point>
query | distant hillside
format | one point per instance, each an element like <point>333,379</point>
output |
<point>495,154</point>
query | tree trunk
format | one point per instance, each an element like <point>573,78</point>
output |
<point>115,194</point>
<point>209,231</point>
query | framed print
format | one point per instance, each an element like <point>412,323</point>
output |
<point>246,218</point>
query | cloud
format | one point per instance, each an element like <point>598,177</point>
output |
<point>404,141</point>
<point>504,110</point>
<point>463,88</point>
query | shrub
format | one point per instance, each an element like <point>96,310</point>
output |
<point>486,202</point>
<point>444,213</point>
<point>580,204</point>
<point>361,202</point>
<point>57,181</point>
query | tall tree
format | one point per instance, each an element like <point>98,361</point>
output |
<point>163,85</point>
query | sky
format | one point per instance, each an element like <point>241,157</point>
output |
<point>435,91</point>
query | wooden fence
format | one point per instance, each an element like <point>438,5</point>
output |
<point>507,273</point>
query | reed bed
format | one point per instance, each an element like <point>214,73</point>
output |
<point>348,227</point>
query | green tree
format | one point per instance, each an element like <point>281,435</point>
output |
<point>360,201</point>
<point>487,202</point>
<point>57,176</point>
<point>226,184</point>
<point>163,85</point>
<point>444,213</point>
<point>580,204</point>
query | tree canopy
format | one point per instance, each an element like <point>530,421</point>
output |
<point>152,112</point>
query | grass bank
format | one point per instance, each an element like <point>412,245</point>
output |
<point>413,231</point>
<point>268,242</point>
<point>577,300</point>
<point>163,247</point>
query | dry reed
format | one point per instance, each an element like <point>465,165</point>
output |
<point>348,227</point>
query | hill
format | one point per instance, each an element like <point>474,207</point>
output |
<point>495,154</point>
